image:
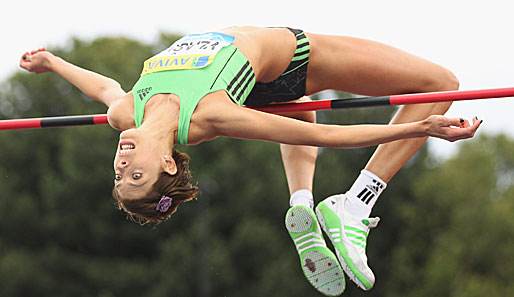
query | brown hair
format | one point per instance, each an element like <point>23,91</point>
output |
<point>177,186</point>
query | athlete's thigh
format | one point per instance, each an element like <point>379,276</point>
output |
<point>366,67</point>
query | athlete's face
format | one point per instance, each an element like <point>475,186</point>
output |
<point>138,163</point>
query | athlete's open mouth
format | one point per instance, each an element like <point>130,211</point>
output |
<point>126,147</point>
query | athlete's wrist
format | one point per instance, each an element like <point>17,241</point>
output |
<point>52,62</point>
<point>422,128</point>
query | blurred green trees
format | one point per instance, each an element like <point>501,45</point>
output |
<point>446,228</point>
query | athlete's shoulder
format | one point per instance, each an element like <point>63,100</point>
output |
<point>121,112</point>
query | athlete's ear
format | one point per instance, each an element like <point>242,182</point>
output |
<point>169,165</point>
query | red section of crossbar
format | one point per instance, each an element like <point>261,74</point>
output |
<point>450,96</point>
<point>295,107</point>
<point>100,119</point>
<point>20,124</point>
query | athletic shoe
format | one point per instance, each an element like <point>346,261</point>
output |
<point>319,264</point>
<point>348,236</point>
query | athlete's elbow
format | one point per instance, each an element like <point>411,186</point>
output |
<point>328,136</point>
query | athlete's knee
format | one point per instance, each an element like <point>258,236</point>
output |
<point>448,82</point>
<point>444,80</point>
<point>455,84</point>
<point>306,116</point>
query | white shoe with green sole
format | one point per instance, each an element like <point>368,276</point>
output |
<point>348,236</point>
<point>319,264</point>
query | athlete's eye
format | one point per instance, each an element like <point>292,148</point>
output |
<point>137,175</point>
<point>117,176</point>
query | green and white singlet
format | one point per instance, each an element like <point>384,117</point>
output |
<point>199,64</point>
<point>191,68</point>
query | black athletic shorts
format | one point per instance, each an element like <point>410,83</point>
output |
<point>290,85</point>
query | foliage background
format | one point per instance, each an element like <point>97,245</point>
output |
<point>446,228</point>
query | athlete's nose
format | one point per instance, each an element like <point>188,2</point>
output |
<point>123,163</point>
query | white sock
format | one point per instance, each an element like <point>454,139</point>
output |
<point>302,197</point>
<point>363,194</point>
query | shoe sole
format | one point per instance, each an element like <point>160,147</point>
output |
<point>322,211</point>
<point>319,264</point>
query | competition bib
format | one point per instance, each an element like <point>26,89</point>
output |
<point>190,52</point>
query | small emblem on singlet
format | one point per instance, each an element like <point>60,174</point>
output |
<point>143,92</point>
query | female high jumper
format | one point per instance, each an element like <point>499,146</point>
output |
<point>194,92</point>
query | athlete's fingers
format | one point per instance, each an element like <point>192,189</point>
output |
<point>42,49</point>
<point>457,122</point>
<point>469,131</point>
<point>24,59</point>
<point>462,123</point>
<point>453,129</point>
<point>476,123</point>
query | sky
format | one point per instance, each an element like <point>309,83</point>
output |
<point>471,38</point>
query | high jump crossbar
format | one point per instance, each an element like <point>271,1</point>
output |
<point>326,104</point>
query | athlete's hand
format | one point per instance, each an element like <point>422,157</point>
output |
<point>451,129</point>
<point>37,61</point>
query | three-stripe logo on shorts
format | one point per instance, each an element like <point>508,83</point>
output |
<point>301,54</point>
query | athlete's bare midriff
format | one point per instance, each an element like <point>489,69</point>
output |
<point>269,50</point>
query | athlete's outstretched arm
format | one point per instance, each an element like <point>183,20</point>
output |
<point>93,85</point>
<point>251,124</point>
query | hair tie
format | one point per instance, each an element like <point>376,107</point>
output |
<point>164,204</point>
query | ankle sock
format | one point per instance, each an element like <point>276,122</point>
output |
<point>363,194</point>
<point>302,197</point>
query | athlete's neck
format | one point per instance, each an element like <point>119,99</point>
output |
<point>161,118</point>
